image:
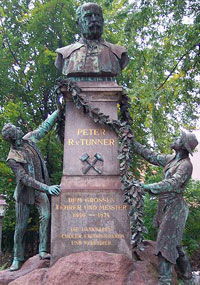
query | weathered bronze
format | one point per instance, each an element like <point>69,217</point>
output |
<point>31,174</point>
<point>91,58</point>
<point>172,209</point>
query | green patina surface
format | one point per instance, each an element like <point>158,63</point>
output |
<point>91,58</point>
<point>33,184</point>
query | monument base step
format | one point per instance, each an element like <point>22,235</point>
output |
<point>94,268</point>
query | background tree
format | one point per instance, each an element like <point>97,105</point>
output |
<point>162,77</point>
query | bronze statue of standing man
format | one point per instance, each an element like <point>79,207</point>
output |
<point>33,184</point>
<point>172,210</point>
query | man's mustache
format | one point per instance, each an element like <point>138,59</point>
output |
<point>92,24</point>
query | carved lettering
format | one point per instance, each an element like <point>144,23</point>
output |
<point>78,215</point>
<point>75,200</point>
<point>103,215</point>
<point>95,229</point>
<point>83,208</point>
<point>91,142</point>
<point>76,242</point>
<point>69,207</point>
<point>112,207</point>
<point>70,142</point>
<point>71,236</point>
<point>103,236</point>
<point>97,242</point>
<point>99,200</point>
<point>90,207</point>
<point>91,132</point>
<point>74,229</point>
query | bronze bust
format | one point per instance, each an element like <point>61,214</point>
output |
<point>91,57</point>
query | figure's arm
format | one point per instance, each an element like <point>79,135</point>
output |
<point>43,129</point>
<point>149,155</point>
<point>174,184</point>
<point>27,180</point>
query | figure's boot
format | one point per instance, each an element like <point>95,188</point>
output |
<point>164,271</point>
<point>16,265</point>
<point>44,255</point>
<point>184,267</point>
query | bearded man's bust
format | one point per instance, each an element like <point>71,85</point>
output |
<point>91,56</point>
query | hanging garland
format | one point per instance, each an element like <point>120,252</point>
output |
<point>133,193</point>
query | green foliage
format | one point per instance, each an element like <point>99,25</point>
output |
<point>192,230</point>
<point>165,61</point>
<point>150,207</point>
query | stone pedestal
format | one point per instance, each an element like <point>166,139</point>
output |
<point>90,215</point>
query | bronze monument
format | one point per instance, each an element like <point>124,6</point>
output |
<point>90,214</point>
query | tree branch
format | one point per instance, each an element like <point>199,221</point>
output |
<point>13,54</point>
<point>174,68</point>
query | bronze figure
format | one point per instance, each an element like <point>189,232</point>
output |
<point>33,183</point>
<point>172,209</point>
<point>91,58</point>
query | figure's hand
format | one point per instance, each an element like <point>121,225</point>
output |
<point>144,187</point>
<point>54,190</point>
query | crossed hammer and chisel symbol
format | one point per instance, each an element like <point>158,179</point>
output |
<point>85,157</point>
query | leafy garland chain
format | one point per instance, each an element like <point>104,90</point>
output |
<point>133,193</point>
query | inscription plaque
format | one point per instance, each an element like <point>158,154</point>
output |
<point>90,220</point>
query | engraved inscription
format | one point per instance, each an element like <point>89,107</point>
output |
<point>85,139</point>
<point>91,132</point>
<point>86,209</point>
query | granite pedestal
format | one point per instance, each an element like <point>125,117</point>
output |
<point>90,215</point>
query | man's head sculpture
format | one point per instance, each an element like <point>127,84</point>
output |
<point>11,133</point>
<point>187,141</point>
<point>90,20</point>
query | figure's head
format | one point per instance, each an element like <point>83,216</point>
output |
<point>186,141</point>
<point>12,134</point>
<point>90,20</point>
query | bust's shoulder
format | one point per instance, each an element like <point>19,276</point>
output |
<point>117,50</point>
<point>67,50</point>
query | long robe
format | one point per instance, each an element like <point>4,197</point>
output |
<point>172,210</point>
